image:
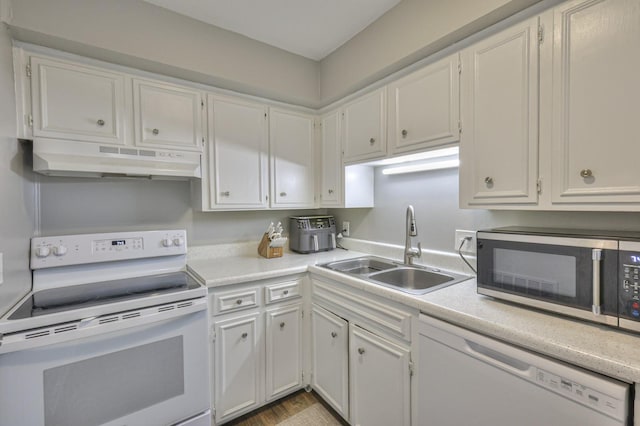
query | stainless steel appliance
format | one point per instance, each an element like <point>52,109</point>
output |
<point>114,332</point>
<point>499,384</point>
<point>587,274</point>
<point>311,234</point>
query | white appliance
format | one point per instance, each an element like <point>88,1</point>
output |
<point>467,378</point>
<point>53,157</point>
<point>114,333</point>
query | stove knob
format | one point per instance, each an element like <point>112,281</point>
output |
<point>178,241</point>
<point>167,242</point>
<point>43,251</point>
<point>60,250</point>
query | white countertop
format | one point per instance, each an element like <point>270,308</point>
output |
<point>595,347</point>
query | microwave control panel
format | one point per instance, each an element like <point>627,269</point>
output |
<point>629,278</point>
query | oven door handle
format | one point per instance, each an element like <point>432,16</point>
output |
<point>596,256</point>
<point>94,326</point>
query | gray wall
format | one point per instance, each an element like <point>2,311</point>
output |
<point>16,189</point>
<point>434,195</point>
<point>407,33</point>
<point>72,205</point>
<point>144,36</point>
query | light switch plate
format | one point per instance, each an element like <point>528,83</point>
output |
<point>469,246</point>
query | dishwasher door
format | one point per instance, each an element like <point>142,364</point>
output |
<point>467,378</point>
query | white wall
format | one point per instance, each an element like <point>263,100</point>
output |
<point>144,36</point>
<point>16,189</point>
<point>434,195</point>
<point>73,205</point>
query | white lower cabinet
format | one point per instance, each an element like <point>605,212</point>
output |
<point>330,359</point>
<point>284,350</point>
<point>380,380</point>
<point>257,345</point>
<point>361,363</point>
<point>237,365</point>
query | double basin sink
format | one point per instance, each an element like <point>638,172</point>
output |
<point>408,278</point>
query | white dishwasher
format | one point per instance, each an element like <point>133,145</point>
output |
<point>466,378</point>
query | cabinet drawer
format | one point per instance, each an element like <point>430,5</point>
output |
<point>235,300</point>
<point>282,291</point>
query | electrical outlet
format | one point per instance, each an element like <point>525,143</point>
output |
<point>469,246</point>
<point>345,228</point>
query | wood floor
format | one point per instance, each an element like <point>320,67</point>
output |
<point>278,411</point>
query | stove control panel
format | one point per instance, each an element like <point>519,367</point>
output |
<point>49,252</point>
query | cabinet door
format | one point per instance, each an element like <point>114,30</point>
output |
<point>424,107</point>
<point>284,350</point>
<point>76,102</point>
<point>238,375</point>
<point>292,173</point>
<point>238,150</point>
<point>499,142</point>
<point>380,380</point>
<point>365,130</point>
<point>332,170</point>
<point>330,359</point>
<point>595,102</point>
<point>167,116</point>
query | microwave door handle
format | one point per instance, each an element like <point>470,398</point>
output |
<point>333,240</point>
<point>596,256</point>
<point>315,242</point>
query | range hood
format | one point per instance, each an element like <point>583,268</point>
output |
<point>53,157</point>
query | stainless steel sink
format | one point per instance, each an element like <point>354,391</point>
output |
<point>361,265</point>
<point>410,279</point>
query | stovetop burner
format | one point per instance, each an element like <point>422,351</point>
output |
<point>86,295</point>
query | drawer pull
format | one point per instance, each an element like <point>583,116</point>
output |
<point>244,335</point>
<point>100,122</point>
<point>285,292</point>
<point>361,351</point>
<point>488,180</point>
<point>282,325</point>
<point>239,302</point>
<point>155,131</point>
<point>334,334</point>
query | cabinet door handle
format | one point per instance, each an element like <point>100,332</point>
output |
<point>404,133</point>
<point>155,131</point>
<point>225,193</point>
<point>239,302</point>
<point>283,194</point>
<point>361,351</point>
<point>282,324</point>
<point>488,180</point>
<point>100,122</point>
<point>244,335</point>
<point>372,141</point>
<point>330,191</point>
<point>334,334</point>
<point>585,173</point>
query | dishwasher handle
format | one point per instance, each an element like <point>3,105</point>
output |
<point>498,359</point>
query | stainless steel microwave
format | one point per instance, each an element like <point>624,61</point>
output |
<point>592,275</point>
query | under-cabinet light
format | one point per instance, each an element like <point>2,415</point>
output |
<point>422,167</point>
<point>427,155</point>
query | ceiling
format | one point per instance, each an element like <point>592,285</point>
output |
<point>310,28</point>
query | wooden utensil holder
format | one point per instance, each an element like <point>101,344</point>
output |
<point>265,250</point>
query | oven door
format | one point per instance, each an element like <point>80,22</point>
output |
<point>144,367</point>
<point>572,276</point>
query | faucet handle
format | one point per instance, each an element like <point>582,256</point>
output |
<point>419,250</point>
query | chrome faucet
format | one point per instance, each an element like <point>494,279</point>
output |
<point>411,230</point>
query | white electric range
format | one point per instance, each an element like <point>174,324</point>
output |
<point>114,332</point>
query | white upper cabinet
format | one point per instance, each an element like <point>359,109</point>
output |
<point>424,107</point>
<point>595,149</point>
<point>75,102</point>
<point>499,141</point>
<point>365,128</point>
<point>237,160</point>
<point>332,170</point>
<point>167,116</point>
<point>292,146</point>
